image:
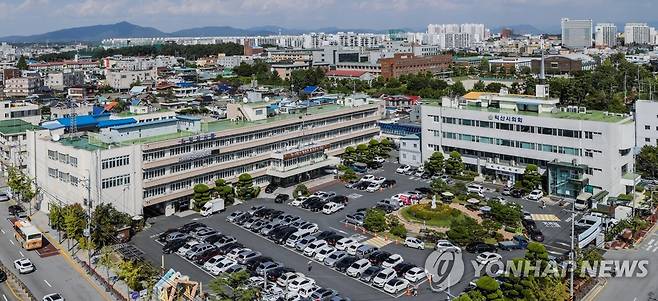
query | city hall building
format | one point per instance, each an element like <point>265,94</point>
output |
<point>500,134</point>
<point>150,166</point>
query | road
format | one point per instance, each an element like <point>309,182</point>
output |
<point>554,230</point>
<point>53,274</point>
<point>6,294</point>
<point>634,289</point>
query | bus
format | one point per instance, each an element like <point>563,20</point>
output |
<point>27,235</point>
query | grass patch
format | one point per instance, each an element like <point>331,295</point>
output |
<point>443,216</point>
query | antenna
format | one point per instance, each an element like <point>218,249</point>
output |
<point>542,74</point>
<point>72,115</point>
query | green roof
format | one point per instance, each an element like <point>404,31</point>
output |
<point>591,115</point>
<point>15,126</point>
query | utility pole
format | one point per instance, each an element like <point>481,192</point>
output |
<point>89,216</point>
<point>572,254</point>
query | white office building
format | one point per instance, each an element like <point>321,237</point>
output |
<point>500,134</point>
<point>637,33</point>
<point>576,33</point>
<point>646,123</point>
<point>605,35</point>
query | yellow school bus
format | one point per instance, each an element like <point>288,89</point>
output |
<point>27,235</point>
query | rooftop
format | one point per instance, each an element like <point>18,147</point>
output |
<point>15,126</point>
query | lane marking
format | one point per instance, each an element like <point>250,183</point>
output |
<point>341,231</point>
<point>12,242</point>
<point>46,281</point>
<point>3,232</point>
<point>4,297</point>
<point>654,249</point>
<point>19,252</point>
<point>651,241</point>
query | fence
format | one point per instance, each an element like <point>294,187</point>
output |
<point>12,279</point>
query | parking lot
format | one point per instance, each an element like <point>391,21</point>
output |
<point>552,220</point>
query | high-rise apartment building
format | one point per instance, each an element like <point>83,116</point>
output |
<point>637,33</point>
<point>576,33</point>
<point>605,35</point>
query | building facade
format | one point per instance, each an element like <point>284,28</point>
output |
<point>410,150</point>
<point>22,86</point>
<point>151,167</point>
<point>646,123</point>
<point>122,80</point>
<point>61,80</point>
<point>605,35</point>
<point>637,33</point>
<point>499,135</point>
<point>407,63</point>
<point>576,33</point>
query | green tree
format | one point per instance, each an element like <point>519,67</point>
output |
<point>225,191</point>
<point>457,89</point>
<point>375,220</point>
<point>107,260</point>
<point>465,231</point>
<point>137,275</point>
<point>201,195</point>
<point>56,216</point>
<point>21,185</point>
<point>494,87</point>
<point>245,189</point>
<point>435,164</point>
<point>438,186</point>
<point>484,67</point>
<point>399,230</point>
<point>22,63</point>
<point>454,164</point>
<point>349,156</point>
<point>300,190</point>
<point>105,222</point>
<point>647,161</point>
<point>348,175</point>
<point>508,214</point>
<point>234,287</point>
<point>531,178</point>
<point>479,86</point>
<point>75,221</point>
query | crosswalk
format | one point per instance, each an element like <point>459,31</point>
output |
<point>651,246</point>
<point>551,225</point>
<point>558,248</point>
<point>354,195</point>
<point>545,217</point>
<point>377,242</point>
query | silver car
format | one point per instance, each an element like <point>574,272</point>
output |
<point>302,243</point>
<point>331,260</point>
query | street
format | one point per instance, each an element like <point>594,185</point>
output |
<point>53,274</point>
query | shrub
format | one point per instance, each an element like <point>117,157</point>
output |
<point>425,211</point>
<point>399,230</point>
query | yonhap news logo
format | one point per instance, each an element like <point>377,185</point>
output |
<point>444,269</point>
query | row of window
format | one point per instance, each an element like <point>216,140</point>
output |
<point>62,176</point>
<point>514,143</point>
<point>115,162</point>
<point>64,158</point>
<point>518,127</point>
<point>115,181</point>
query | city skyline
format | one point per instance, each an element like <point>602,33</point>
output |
<point>25,17</point>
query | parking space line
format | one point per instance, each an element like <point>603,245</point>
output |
<point>12,242</point>
<point>4,297</point>
<point>3,231</point>
<point>47,283</point>
<point>19,252</point>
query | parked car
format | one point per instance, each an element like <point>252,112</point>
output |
<point>479,247</point>
<point>506,191</point>
<point>364,250</point>
<point>198,249</point>
<point>392,261</point>
<point>343,264</point>
<point>323,253</point>
<point>403,169</point>
<point>355,219</point>
<point>383,277</point>
<point>186,247</point>
<point>424,190</point>
<point>233,216</point>
<point>377,257</point>
<point>535,195</point>
<point>370,273</point>
<point>173,245</point>
<point>488,257</point>
<point>415,274</point>
<point>333,239</point>
<point>517,193</point>
<point>331,207</point>
<point>518,242</point>
<point>345,243</point>
<point>322,294</point>
<point>314,247</point>
<point>351,184</point>
<point>281,198</point>
<point>286,278</point>
<point>270,188</point>
<point>340,199</point>
<point>415,243</point>
<point>373,187</point>
<point>396,285</point>
<point>367,178</point>
<point>474,188</point>
<point>358,267</point>
<point>388,183</point>
<point>246,256</point>
<point>334,257</point>
<point>303,242</point>
<point>274,274</point>
<point>52,297</point>
<point>443,245</point>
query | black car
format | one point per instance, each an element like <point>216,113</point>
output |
<point>228,247</point>
<point>386,208</point>
<point>189,227</point>
<point>345,263</point>
<point>388,184</point>
<point>163,236</point>
<point>325,234</point>
<point>281,198</point>
<point>213,238</point>
<point>253,263</point>
<point>15,209</point>
<point>402,268</point>
<point>274,274</point>
<point>282,236</point>
<point>377,257</point>
<point>536,235</point>
<point>270,188</point>
<point>173,246</point>
<point>257,225</point>
<point>480,247</point>
<point>340,199</point>
<point>426,175</point>
<point>529,225</point>
<point>424,190</point>
<point>517,193</point>
<point>370,272</point>
<point>275,214</point>
<point>317,206</point>
<point>263,212</point>
<point>241,219</point>
<point>200,257</point>
<point>361,185</point>
<point>3,276</point>
<point>310,201</point>
<point>332,239</point>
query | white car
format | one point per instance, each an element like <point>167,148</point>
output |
<point>211,262</point>
<point>314,247</point>
<point>474,188</point>
<point>221,266</point>
<point>351,250</point>
<point>398,197</point>
<point>331,207</point>
<point>382,277</point>
<point>288,277</point>
<point>488,257</point>
<point>308,228</point>
<point>298,201</point>
<point>373,187</point>
<point>414,243</point>
<point>535,195</point>
<point>186,247</point>
<point>324,252</point>
<point>443,245</point>
<point>344,243</point>
<point>358,267</point>
<point>392,261</point>
<point>378,180</point>
<point>24,266</point>
<point>367,178</point>
<point>299,283</point>
<point>396,285</point>
<point>379,160</point>
<point>415,274</point>
<point>233,254</point>
<point>403,169</point>
<point>52,297</point>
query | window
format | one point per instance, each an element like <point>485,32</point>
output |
<point>73,180</point>
<point>115,181</point>
<point>647,140</point>
<point>52,155</point>
<point>588,153</point>
<point>115,162</point>
<point>64,158</point>
<point>52,172</point>
<point>73,161</point>
<point>647,127</point>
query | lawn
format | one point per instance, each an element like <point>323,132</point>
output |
<point>443,216</point>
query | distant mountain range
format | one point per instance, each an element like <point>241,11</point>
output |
<point>128,30</point>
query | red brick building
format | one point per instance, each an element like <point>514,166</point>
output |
<point>407,63</point>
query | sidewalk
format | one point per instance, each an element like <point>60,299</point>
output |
<point>96,276</point>
<point>318,182</point>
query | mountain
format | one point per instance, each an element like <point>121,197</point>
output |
<point>89,33</point>
<point>220,31</point>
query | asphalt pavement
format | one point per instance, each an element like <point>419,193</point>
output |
<point>6,293</point>
<point>53,274</point>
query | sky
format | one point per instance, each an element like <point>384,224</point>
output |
<point>22,17</point>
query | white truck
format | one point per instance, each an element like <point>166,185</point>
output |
<point>212,206</point>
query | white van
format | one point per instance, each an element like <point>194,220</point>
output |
<point>474,188</point>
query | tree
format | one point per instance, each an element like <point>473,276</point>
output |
<point>201,195</point>
<point>137,275</point>
<point>349,175</point>
<point>434,164</point>
<point>466,231</point>
<point>234,286</point>
<point>647,161</point>
<point>479,86</point>
<point>106,221</point>
<point>438,186</point>
<point>508,214</point>
<point>75,221</point>
<point>454,164</point>
<point>399,230</point>
<point>245,189</point>
<point>56,216</point>
<point>457,89</point>
<point>21,185</point>
<point>106,260</point>
<point>225,191</point>
<point>22,64</point>
<point>375,220</point>
<point>484,66</point>
<point>531,178</point>
<point>300,190</point>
